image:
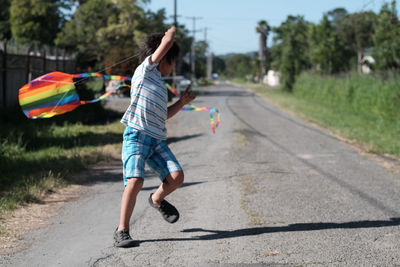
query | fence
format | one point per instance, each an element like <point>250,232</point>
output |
<point>18,68</point>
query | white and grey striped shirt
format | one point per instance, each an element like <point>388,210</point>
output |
<point>148,111</point>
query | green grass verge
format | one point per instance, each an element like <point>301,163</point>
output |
<point>362,109</point>
<point>36,156</point>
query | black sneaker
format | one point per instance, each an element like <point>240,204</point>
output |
<point>122,239</point>
<point>168,211</point>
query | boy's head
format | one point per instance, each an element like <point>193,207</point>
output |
<point>150,44</point>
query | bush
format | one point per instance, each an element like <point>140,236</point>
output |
<point>368,95</point>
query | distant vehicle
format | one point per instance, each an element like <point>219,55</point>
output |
<point>184,83</point>
<point>214,76</point>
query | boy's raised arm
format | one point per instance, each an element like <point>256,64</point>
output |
<point>166,43</point>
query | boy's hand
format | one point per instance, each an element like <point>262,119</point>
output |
<point>170,34</point>
<point>187,96</point>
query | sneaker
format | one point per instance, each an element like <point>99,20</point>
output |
<point>122,239</point>
<point>168,211</point>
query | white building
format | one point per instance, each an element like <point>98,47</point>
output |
<point>272,78</point>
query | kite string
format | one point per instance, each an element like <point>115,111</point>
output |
<point>109,67</point>
<point>83,79</point>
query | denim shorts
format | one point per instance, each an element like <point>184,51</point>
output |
<point>139,148</point>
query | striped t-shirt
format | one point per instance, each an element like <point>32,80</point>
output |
<point>147,111</point>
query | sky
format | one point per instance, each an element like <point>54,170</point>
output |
<point>231,23</point>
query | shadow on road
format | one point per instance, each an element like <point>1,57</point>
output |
<point>218,92</point>
<point>149,188</point>
<point>298,227</point>
<point>171,140</point>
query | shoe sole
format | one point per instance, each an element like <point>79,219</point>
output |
<point>127,244</point>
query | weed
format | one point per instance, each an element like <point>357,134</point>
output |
<point>37,156</point>
<point>361,108</point>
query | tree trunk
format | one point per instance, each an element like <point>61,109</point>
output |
<point>360,54</point>
<point>261,54</point>
<point>4,74</point>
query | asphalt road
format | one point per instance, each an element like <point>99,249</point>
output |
<point>266,189</point>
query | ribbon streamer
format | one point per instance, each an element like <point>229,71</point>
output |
<point>212,111</point>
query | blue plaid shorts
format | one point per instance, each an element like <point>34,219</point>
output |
<point>139,148</point>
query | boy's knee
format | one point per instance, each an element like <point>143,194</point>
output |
<point>177,178</point>
<point>135,182</point>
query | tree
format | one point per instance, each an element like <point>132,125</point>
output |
<point>291,37</point>
<point>336,15</point>
<point>105,32</point>
<point>238,66</point>
<point>201,57</point>
<point>356,31</point>
<point>386,50</point>
<point>80,33</point>
<point>36,22</point>
<point>263,29</point>
<point>218,64</point>
<point>5,29</point>
<point>327,51</point>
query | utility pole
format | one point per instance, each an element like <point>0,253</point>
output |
<point>208,55</point>
<point>192,56</point>
<point>175,15</point>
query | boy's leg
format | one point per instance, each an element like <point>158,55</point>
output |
<point>171,182</point>
<point>164,162</point>
<point>157,201</point>
<point>133,186</point>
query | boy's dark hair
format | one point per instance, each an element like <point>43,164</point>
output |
<point>150,44</point>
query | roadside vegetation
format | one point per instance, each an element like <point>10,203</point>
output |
<point>342,72</point>
<point>37,156</point>
<point>362,108</point>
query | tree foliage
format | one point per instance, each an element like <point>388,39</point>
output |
<point>36,21</point>
<point>105,32</point>
<point>291,37</point>
<point>327,51</point>
<point>239,66</point>
<point>336,15</point>
<point>201,59</point>
<point>5,28</point>
<point>356,31</point>
<point>386,38</point>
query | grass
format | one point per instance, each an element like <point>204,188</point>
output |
<point>37,156</point>
<point>363,109</point>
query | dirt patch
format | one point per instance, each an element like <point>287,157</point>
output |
<point>33,216</point>
<point>16,223</point>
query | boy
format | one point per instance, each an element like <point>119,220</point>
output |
<point>145,132</point>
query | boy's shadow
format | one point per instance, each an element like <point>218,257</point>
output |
<point>171,140</point>
<point>298,227</point>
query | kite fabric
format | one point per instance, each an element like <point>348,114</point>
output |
<point>55,94</point>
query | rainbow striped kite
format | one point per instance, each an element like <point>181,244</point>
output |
<point>55,94</point>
